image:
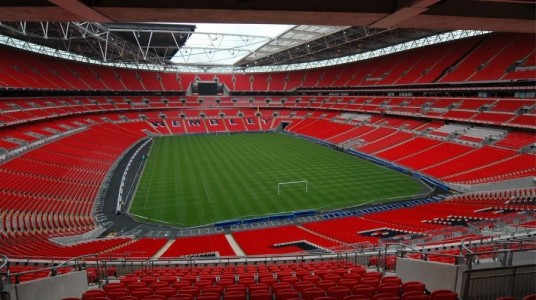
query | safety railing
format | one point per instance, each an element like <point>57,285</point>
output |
<point>78,263</point>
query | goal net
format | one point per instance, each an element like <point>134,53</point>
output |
<point>300,182</point>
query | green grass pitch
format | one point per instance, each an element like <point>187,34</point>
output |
<point>194,180</point>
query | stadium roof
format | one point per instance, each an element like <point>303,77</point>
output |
<point>136,32</point>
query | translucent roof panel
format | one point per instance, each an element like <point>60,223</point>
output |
<point>226,44</point>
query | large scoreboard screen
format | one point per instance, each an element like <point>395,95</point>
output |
<point>206,88</point>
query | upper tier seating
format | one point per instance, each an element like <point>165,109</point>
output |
<point>492,57</point>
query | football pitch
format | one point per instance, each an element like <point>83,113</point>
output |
<point>194,180</point>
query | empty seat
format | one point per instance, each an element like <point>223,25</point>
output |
<point>166,291</point>
<point>141,292</point>
<point>286,294</point>
<point>181,297</point>
<point>413,286</point>
<point>91,294</point>
<point>154,297</point>
<point>235,296</point>
<point>208,296</point>
<point>339,292</point>
<point>365,290</point>
<point>116,293</point>
<point>313,293</point>
<point>388,288</point>
<point>259,295</point>
<point>391,279</point>
<point>385,296</point>
<point>136,285</point>
<point>443,295</point>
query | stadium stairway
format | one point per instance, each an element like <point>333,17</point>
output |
<point>163,249</point>
<point>321,235</point>
<point>234,245</point>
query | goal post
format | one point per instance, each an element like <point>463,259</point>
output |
<point>302,182</point>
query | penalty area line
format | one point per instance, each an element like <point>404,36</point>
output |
<point>206,192</point>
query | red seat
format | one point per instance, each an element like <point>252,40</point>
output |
<point>154,297</point>
<point>355,276</point>
<point>234,296</point>
<point>260,295</point>
<point>208,296</point>
<point>169,279</point>
<point>313,293</point>
<point>302,285</point>
<point>218,289</point>
<point>141,292</point>
<point>530,297</point>
<point>191,290</point>
<point>268,280</point>
<point>113,286</point>
<point>136,285</point>
<point>286,294</point>
<point>259,287</point>
<point>411,294</point>
<point>325,298</point>
<point>281,286</point>
<point>127,298</point>
<point>166,291</point>
<point>339,292</point>
<point>203,283</point>
<point>91,294</point>
<point>128,280</point>
<point>392,279</point>
<point>413,286</point>
<point>348,282</point>
<point>246,281</point>
<point>236,288</point>
<point>332,276</point>
<point>385,296</point>
<point>326,284</point>
<point>365,290</point>
<point>376,275</point>
<point>225,282</point>
<point>375,282</point>
<point>443,295</point>
<point>388,288</point>
<point>416,297</point>
<point>290,279</point>
<point>181,297</point>
<point>311,278</point>
<point>116,293</point>
<point>148,280</point>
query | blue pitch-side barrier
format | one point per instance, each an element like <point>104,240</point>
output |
<point>274,217</point>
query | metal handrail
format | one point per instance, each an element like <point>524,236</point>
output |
<point>5,279</point>
<point>53,270</point>
<point>5,261</point>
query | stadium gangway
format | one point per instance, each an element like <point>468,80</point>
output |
<point>497,274</point>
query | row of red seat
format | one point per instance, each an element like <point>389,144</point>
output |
<point>308,281</point>
<point>492,59</point>
<point>24,114</point>
<point>53,188</point>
